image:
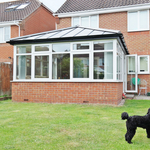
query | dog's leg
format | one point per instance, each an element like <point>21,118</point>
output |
<point>148,132</point>
<point>130,133</point>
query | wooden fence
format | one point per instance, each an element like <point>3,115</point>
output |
<point>6,75</point>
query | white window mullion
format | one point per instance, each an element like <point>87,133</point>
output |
<point>32,63</point>
<point>114,60</point>
<point>14,64</point>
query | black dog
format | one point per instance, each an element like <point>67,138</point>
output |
<point>136,121</point>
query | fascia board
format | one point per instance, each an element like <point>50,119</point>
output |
<point>8,23</point>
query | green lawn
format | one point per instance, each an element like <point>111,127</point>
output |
<point>30,126</point>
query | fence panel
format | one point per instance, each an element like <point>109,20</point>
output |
<point>6,75</point>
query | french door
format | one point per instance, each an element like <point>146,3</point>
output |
<point>131,74</point>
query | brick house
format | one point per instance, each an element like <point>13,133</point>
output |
<point>107,56</point>
<point>19,18</point>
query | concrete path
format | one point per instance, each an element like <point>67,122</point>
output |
<point>142,97</point>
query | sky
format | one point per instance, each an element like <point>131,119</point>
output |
<point>54,5</point>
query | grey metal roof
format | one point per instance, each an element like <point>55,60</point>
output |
<point>82,5</point>
<point>71,33</point>
<point>18,14</point>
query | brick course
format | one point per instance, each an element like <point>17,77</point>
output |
<point>60,92</point>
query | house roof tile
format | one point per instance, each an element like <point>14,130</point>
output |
<point>83,5</point>
<point>18,14</point>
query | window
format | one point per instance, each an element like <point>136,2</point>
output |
<point>86,21</point>
<point>12,7</point>
<point>138,20</point>
<point>61,61</point>
<point>4,34</point>
<point>119,62</point>
<point>81,66</point>
<point>23,62</point>
<point>41,48</point>
<point>22,6</point>
<point>61,66</point>
<point>143,64</point>
<point>75,61</point>
<point>81,46</point>
<point>41,66</point>
<point>103,61</point>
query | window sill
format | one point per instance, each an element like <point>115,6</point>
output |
<point>143,72</point>
<point>66,81</point>
<point>138,30</point>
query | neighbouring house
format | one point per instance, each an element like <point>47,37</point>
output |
<point>19,18</point>
<point>99,51</point>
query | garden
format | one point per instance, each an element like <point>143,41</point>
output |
<point>39,126</point>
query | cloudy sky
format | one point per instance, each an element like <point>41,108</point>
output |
<point>52,4</point>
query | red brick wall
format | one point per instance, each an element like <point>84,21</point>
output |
<point>64,23</point>
<point>103,93</point>
<point>6,51</point>
<point>39,21</point>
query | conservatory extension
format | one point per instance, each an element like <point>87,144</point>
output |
<point>71,65</point>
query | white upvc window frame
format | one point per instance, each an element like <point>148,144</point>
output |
<point>15,62</point>
<point>97,26</point>
<point>138,21</point>
<point>40,53</point>
<point>3,28</point>
<point>49,53</point>
<point>146,72</point>
<point>51,65</point>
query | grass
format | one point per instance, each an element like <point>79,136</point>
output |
<point>30,126</point>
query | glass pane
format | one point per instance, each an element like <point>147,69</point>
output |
<point>143,19</point>
<point>103,46</point>
<point>75,21</point>
<point>61,66</point>
<point>23,49</point>
<point>133,21</point>
<point>82,46</point>
<point>41,66</point>
<point>7,33</point>
<point>94,22</point>
<point>131,82</point>
<point>81,66</point>
<point>1,35</point>
<point>143,64</point>
<point>131,64</point>
<point>85,21</point>
<point>23,67</point>
<point>61,47</point>
<point>41,48</point>
<point>103,65</point>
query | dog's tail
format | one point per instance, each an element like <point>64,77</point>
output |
<point>124,115</point>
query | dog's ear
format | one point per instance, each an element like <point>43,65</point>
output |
<point>148,111</point>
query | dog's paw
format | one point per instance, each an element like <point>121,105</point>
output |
<point>148,137</point>
<point>130,142</point>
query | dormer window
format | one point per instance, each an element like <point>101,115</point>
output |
<point>22,6</point>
